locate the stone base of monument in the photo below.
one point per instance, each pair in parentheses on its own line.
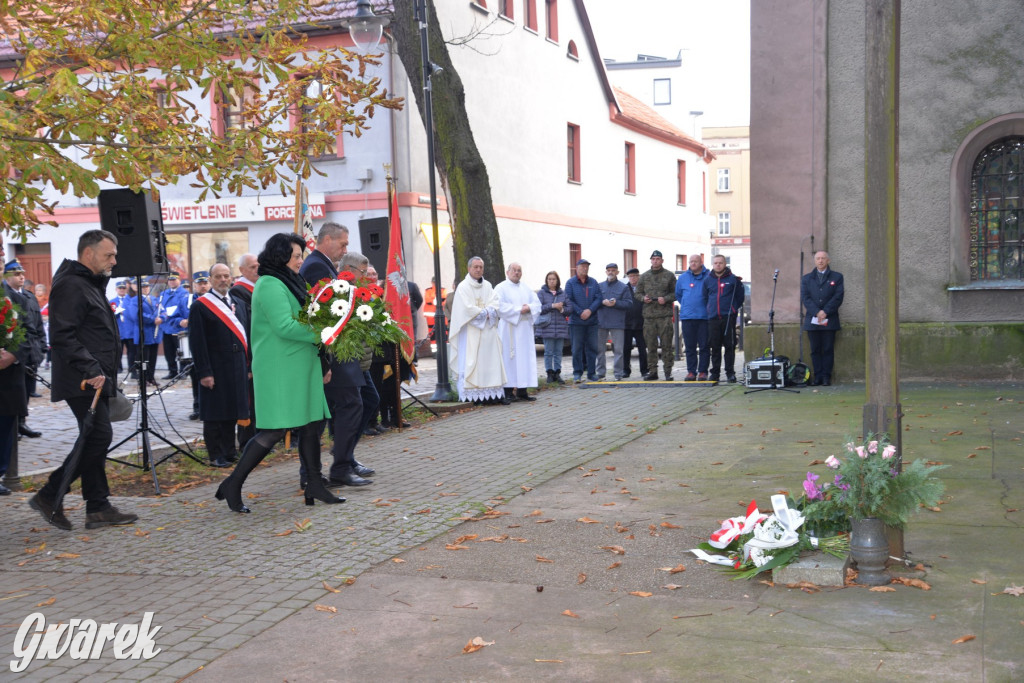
(818,568)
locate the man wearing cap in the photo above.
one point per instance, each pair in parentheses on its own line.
(118,304)
(634,333)
(693,317)
(518,310)
(583,292)
(616,301)
(657,289)
(200,286)
(33,350)
(150,332)
(173,312)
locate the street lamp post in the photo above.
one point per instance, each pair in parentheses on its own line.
(366,29)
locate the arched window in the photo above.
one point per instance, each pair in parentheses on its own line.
(997,193)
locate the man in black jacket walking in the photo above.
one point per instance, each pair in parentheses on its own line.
(85,344)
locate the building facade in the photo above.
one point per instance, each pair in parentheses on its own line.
(730,195)
(961,131)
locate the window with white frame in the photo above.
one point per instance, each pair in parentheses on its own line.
(724,223)
(662,91)
(723,180)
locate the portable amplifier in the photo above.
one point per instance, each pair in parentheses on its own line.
(758,372)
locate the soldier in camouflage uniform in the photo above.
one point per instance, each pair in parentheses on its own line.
(657,289)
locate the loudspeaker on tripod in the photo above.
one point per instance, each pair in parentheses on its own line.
(134,218)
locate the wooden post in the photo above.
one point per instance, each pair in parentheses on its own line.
(882,412)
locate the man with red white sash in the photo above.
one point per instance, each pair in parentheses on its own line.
(220,354)
(241,296)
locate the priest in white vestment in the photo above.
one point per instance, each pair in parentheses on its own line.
(518,310)
(474,349)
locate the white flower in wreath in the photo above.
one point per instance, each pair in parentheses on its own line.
(365,313)
(340,308)
(325,334)
(387,319)
(340,286)
(313,309)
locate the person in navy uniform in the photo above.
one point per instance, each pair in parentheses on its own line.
(118,304)
(173,311)
(201,285)
(150,331)
(821,291)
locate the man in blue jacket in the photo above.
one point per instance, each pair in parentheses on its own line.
(822,293)
(585,295)
(723,295)
(693,315)
(173,311)
(616,301)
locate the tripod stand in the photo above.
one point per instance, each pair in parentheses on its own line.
(771,337)
(144,430)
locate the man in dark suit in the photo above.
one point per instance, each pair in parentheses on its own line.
(33,349)
(347,379)
(634,327)
(821,291)
(219,353)
(241,295)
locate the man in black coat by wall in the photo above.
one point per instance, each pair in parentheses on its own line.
(85,344)
(31,353)
(822,293)
(220,356)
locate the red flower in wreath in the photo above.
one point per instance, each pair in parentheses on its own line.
(363,294)
(325,295)
(346,275)
(375,290)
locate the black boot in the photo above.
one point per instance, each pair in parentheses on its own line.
(558,377)
(524,395)
(231,488)
(551,376)
(309,454)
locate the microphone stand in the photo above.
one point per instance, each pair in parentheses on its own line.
(771,339)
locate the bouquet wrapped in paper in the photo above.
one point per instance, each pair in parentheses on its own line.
(348,315)
(12,332)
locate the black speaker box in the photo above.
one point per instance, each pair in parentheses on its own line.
(134,218)
(374,238)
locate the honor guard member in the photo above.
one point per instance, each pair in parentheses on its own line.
(32,351)
(173,312)
(657,289)
(118,304)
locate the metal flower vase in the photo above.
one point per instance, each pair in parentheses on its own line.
(869,548)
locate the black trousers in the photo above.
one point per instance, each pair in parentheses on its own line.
(823,344)
(722,336)
(347,417)
(171,353)
(219,436)
(634,337)
(370,395)
(151,351)
(91,466)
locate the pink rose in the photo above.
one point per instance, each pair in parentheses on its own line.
(849,447)
(889,451)
(832,462)
(872,447)
(859,450)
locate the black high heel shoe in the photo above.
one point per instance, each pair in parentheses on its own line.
(314,493)
(234,498)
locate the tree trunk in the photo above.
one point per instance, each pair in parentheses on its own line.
(459,164)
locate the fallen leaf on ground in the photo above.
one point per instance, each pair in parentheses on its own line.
(963,639)
(641,594)
(588,520)
(955,432)
(915,583)
(570,613)
(67,556)
(670,525)
(477,643)
(535,513)
(816,461)
(617,549)
(544,559)
(610,468)
(980,582)
(613,565)
(543,521)
(397,560)
(33,551)
(1015,591)
(882,589)
(467,537)
(581,578)
(326,608)
(284,533)
(494,539)
(455,546)
(526,488)
(46,603)
(331,588)
(672,586)
(673,570)
(804,586)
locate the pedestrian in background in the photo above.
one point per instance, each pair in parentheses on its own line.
(693,318)
(616,301)
(634,328)
(583,292)
(723,297)
(657,289)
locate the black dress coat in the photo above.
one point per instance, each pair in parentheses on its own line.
(33,350)
(84,338)
(824,295)
(218,352)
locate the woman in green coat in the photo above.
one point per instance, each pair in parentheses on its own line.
(286,372)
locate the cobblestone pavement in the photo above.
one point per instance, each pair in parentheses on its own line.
(214,579)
